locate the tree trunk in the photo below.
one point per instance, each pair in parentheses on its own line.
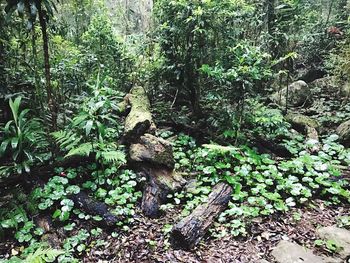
(343,10)
(187,233)
(35,62)
(2,58)
(50,98)
(271,24)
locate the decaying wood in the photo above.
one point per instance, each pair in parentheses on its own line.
(83,201)
(152,150)
(139,120)
(93,207)
(312,134)
(268,146)
(53,240)
(50,236)
(161,182)
(149,154)
(188,232)
(44,222)
(220,148)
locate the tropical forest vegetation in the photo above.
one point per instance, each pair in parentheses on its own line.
(174,131)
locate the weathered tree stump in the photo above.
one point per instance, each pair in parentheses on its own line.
(188,232)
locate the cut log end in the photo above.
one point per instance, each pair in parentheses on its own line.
(182,240)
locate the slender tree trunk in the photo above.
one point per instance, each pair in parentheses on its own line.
(35,62)
(50,96)
(190,76)
(2,58)
(271,25)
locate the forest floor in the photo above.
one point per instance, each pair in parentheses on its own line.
(147,241)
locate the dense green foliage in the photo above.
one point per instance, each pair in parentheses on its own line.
(210,68)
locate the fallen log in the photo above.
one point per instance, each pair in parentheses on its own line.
(161,182)
(275,148)
(83,201)
(187,233)
(46,171)
(139,120)
(150,155)
(200,134)
(268,146)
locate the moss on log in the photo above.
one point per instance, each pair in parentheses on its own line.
(150,155)
(152,150)
(343,131)
(139,120)
(299,121)
(188,232)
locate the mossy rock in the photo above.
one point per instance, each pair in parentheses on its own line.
(298,94)
(343,131)
(323,83)
(300,122)
(345,89)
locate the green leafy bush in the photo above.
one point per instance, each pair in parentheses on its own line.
(95,129)
(260,119)
(338,62)
(105,50)
(23,139)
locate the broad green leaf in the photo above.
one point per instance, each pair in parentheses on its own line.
(88,127)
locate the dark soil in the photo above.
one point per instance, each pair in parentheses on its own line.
(146,242)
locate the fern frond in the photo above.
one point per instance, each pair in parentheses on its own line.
(43,254)
(82,150)
(114,157)
(66,139)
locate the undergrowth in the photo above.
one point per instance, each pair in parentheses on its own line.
(262,186)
